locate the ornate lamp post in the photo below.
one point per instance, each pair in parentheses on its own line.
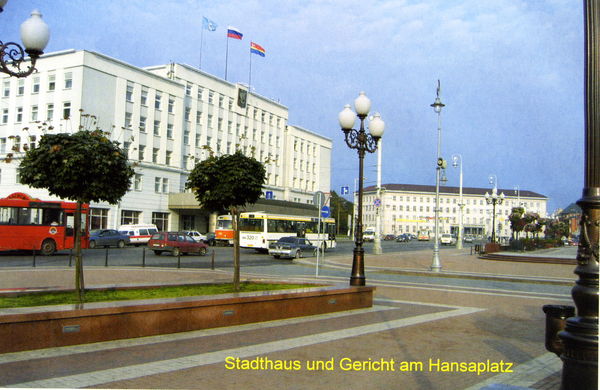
(494,199)
(580,337)
(35,35)
(362,142)
(436,265)
(456,158)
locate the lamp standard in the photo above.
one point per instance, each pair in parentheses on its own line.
(35,35)
(494,199)
(436,265)
(377,241)
(456,158)
(362,142)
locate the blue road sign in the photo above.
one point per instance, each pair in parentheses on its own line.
(345,190)
(325,211)
(269,195)
(377,202)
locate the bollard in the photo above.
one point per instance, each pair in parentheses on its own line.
(34,256)
(212,267)
(70,256)
(106,259)
(143,257)
(556,317)
(179,260)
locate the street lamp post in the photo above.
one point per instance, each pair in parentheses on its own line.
(436,265)
(377,241)
(362,142)
(494,199)
(456,158)
(35,35)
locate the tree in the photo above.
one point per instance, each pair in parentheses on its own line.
(516,220)
(340,209)
(85,166)
(228,182)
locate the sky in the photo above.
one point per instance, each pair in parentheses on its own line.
(511,75)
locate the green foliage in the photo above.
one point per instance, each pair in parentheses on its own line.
(340,209)
(230,180)
(85,166)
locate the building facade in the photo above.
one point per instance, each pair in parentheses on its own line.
(167,118)
(410,208)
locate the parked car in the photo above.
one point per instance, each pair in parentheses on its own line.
(107,237)
(468,238)
(389,237)
(294,247)
(447,239)
(403,238)
(176,243)
(195,235)
(138,233)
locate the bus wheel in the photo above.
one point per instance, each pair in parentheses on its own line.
(48,247)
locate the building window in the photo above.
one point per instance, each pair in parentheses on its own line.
(168,157)
(161,185)
(51,83)
(21,89)
(156,127)
(155,155)
(221,101)
(19,118)
(186,137)
(129,93)
(157,101)
(161,220)
(187,113)
(68,80)
(143,124)
(36,85)
(67,110)
(137,182)
(198,117)
(128,117)
(171,104)
(6,89)
(98,218)
(211,97)
(4,116)
(170,131)
(199,93)
(141,151)
(144,98)
(50,112)
(34,113)
(130,217)
(2,145)
(188,89)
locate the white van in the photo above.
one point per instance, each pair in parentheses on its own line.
(139,234)
(369,234)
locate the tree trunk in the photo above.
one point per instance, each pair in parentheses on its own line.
(79,284)
(236,248)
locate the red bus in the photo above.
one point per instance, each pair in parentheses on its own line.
(46,226)
(224,230)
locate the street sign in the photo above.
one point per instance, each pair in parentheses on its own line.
(319,199)
(377,202)
(345,190)
(325,211)
(269,195)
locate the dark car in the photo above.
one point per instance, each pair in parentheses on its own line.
(294,247)
(176,243)
(211,239)
(389,237)
(107,237)
(403,238)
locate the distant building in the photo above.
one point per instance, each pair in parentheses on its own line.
(571,215)
(408,208)
(168,118)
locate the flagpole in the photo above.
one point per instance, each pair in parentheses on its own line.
(226,55)
(250,72)
(201,42)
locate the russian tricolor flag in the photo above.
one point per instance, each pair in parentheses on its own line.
(257,49)
(233,33)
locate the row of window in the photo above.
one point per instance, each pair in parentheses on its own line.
(99,218)
(368,208)
(454,200)
(36,86)
(35,113)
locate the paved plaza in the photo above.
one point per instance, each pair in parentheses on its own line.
(434,335)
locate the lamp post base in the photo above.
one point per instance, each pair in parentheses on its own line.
(357,278)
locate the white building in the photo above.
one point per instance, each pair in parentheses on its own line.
(166,117)
(408,208)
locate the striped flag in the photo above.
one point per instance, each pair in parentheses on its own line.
(257,49)
(234,33)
